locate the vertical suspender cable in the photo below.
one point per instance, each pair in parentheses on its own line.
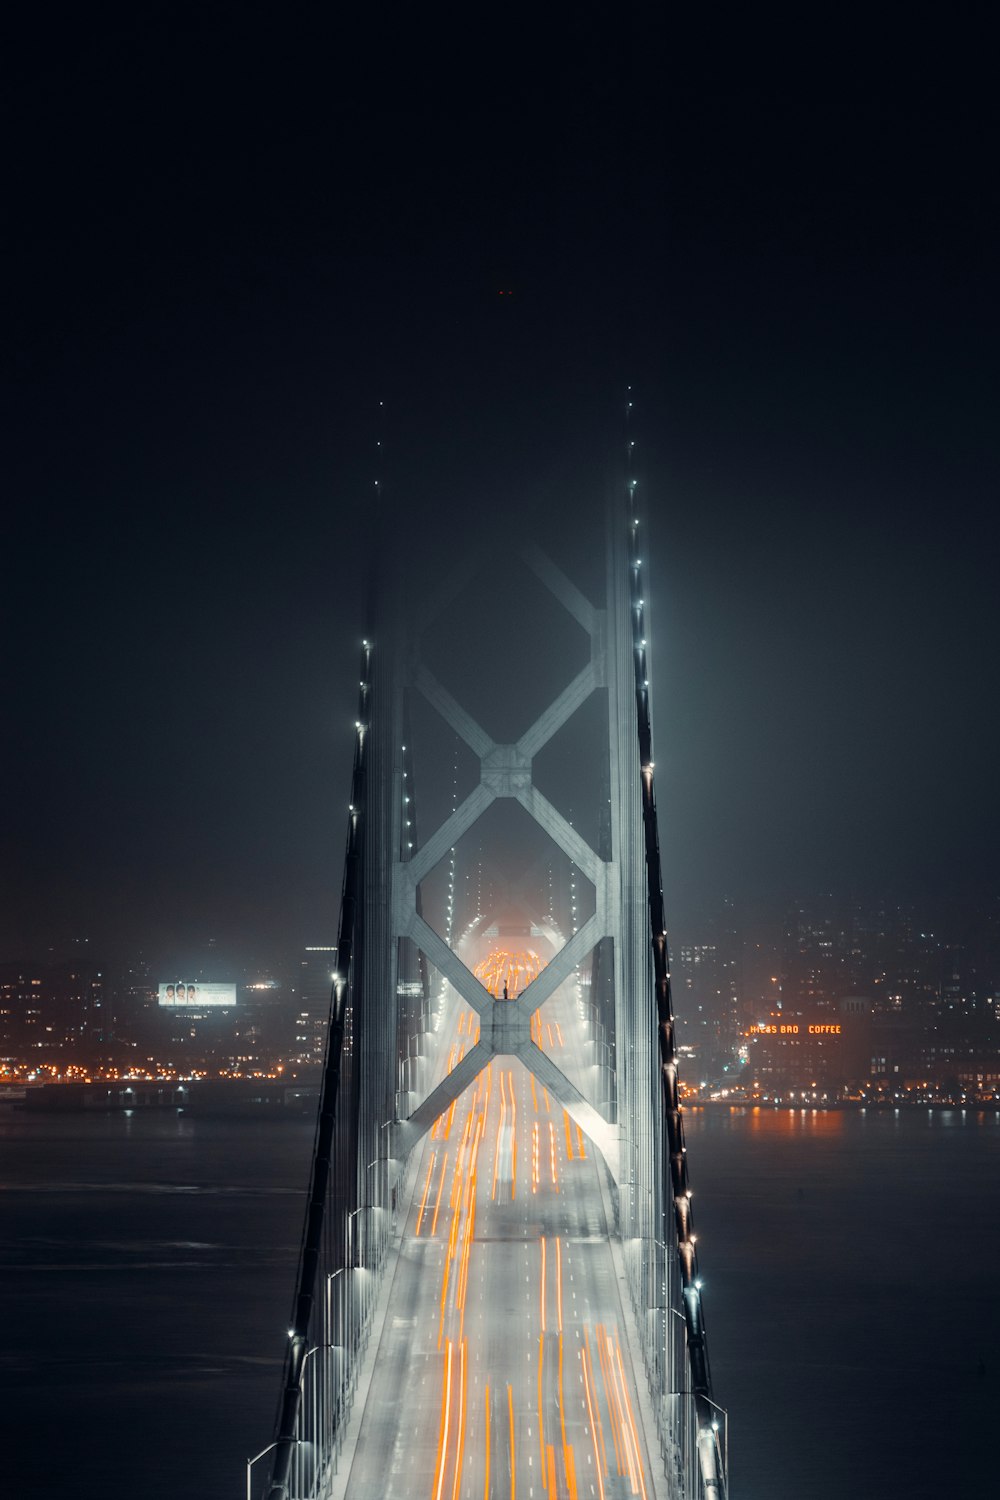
(309,1256)
(713,1477)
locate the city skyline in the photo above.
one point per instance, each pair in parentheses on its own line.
(893,1004)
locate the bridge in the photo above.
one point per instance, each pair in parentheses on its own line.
(498,1291)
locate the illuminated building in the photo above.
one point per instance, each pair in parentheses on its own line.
(312,1009)
(819,1049)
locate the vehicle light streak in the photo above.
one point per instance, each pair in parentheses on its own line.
(459,1428)
(427,1185)
(543,1282)
(631,1418)
(513,1137)
(501,970)
(562,1407)
(620,1396)
(446,1278)
(602,1356)
(435,1133)
(571,1473)
(596,1433)
(437,1203)
(470,1226)
(499,1138)
(443,1433)
(460,1447)
(456,1185)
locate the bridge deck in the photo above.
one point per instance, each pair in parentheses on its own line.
(503,1354)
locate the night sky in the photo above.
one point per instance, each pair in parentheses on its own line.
(231,230)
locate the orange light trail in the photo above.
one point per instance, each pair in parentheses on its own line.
(437,1204)
(543,1283)
(513,1137)
(515,970)
(448,1068)
(631,1419)
(602,1356)
(620,1408)
(443,1433)
(611,1396)
(456,1186)
(427,1184)
(596,1435)
(571,1473)
(568,1463)
(444,1286)
(461,1428)
(496,1152)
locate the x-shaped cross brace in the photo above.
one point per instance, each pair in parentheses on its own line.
(506,771)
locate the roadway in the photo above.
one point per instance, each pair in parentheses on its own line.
(502,1370)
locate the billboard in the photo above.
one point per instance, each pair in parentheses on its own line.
(196,995)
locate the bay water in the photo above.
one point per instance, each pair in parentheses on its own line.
(851,1285)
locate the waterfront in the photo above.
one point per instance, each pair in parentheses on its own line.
(850,1264)
(148,1265)
(850,1283)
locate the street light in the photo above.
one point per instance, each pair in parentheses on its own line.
(374,1207)
(725,1437)
(700,1395)
(250,1463)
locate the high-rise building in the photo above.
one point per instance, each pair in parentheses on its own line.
(312,991)
(708,985)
